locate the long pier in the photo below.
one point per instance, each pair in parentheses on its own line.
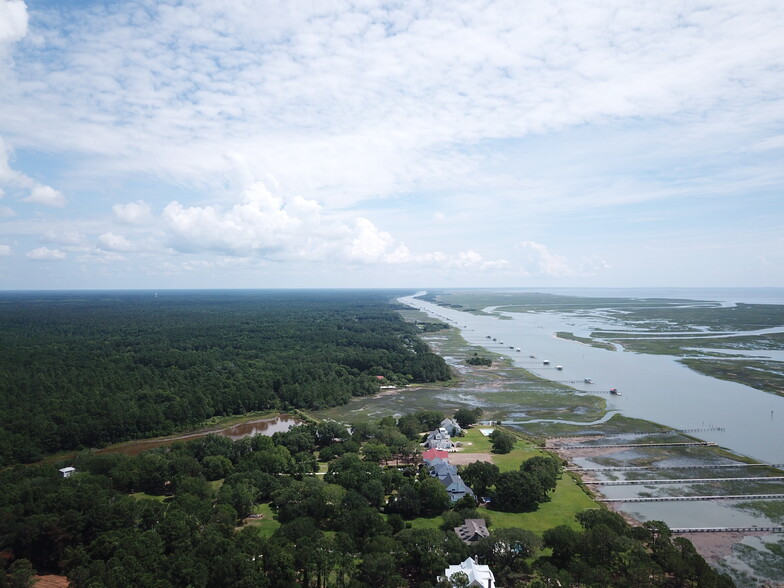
(675,467)
(683,481)
(635,445)
(694,498)
(603,435)
(727,529)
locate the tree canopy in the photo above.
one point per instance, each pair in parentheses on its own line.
(87,369)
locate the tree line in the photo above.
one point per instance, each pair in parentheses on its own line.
(89,369)
(178,516)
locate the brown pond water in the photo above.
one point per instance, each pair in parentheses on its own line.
(256,426)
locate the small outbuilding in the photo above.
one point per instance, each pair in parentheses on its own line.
(67,472)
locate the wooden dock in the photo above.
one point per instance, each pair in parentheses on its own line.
(694,498)
(727,529)
(684,481)
(635,445)
(683,467)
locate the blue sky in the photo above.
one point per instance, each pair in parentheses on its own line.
(252,144)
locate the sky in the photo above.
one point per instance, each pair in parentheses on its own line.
(327,144)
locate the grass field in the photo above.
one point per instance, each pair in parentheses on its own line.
(267,525)
(566,501)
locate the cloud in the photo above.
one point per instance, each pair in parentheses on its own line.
(46,195)
(66,238)
(538,261)
(112,242)
(39,193)
(45,254)
(268,226)
(13,21)
(5,211)
(133,213)
(348,102)
(5,250)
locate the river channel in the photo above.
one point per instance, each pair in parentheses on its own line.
(653,387)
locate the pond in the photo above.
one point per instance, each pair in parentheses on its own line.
(254,426)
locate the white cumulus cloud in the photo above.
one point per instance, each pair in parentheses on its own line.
(268,226)
(133,213)
(5,250)
(39,193)
(13,21)
(45,254)
(46,195)
(111,242)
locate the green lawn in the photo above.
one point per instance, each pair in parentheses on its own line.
(505,462)
(266,525)
(566,501)
(423,523)
(144,495)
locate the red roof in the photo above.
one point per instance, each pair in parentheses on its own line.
(434,453)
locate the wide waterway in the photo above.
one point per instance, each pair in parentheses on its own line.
(654,387)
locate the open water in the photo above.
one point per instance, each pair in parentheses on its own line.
(653,387)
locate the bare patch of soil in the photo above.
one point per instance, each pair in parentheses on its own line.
(460,458)
(51,581)
(715,546)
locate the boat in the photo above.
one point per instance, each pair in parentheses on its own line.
(546,362)
(615,392)
(559,368)
(588,381)
(518,349)
(532,356)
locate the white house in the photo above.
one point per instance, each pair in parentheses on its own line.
(438,439)
(480,576)
(451,427)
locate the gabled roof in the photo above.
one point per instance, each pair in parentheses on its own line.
(448,423)
(472,530)
(455,486)
(440,433)
(444,443)
(433,454)
(443,469)
(477,575)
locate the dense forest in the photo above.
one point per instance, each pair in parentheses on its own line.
(179,517)
(87,369)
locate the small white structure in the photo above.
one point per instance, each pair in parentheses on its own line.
(66,472)
(477,575)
